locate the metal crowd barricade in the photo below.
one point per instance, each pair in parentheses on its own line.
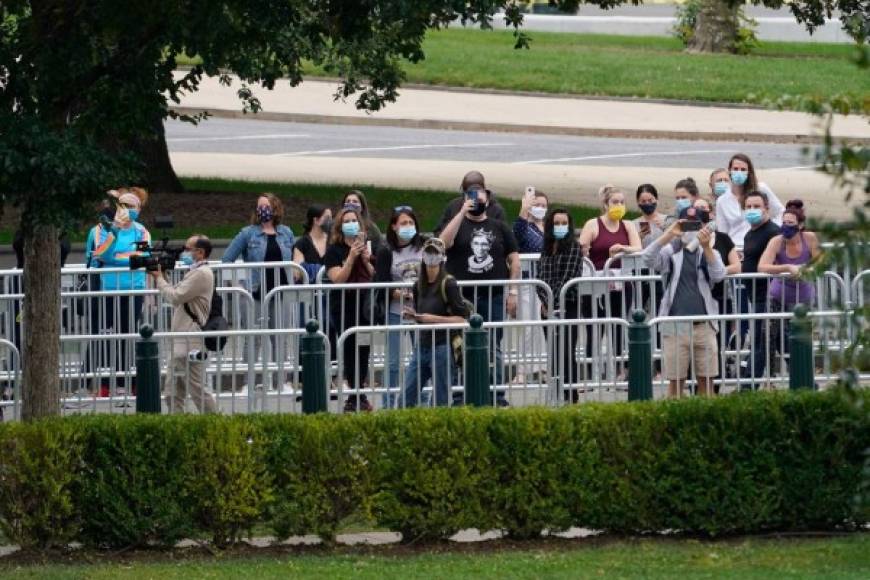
(680,333)
(428,380)
(10,381)
(237,384)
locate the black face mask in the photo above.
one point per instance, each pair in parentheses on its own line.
(648,208)
(479,209)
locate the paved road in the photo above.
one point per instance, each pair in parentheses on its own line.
(287,140)
(658,20)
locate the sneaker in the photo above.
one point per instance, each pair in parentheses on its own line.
(364,404)
(356,403)
(501,402)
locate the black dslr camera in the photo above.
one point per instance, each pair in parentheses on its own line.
(161,256)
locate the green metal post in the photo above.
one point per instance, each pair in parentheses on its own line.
(640,371)
(477,364)
(801,359)
(314,395)
(147,372)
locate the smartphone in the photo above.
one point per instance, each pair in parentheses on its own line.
(369,246)
(471,194)
(691,226)
(530,193)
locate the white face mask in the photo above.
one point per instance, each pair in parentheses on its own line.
(688,237)
(430,259)
(538,212)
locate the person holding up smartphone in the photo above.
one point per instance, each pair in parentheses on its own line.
(348,260)
(690,275)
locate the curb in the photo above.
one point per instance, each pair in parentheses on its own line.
(513,128)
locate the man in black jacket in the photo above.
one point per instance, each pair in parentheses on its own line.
(473,178)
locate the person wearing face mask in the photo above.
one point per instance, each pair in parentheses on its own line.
(191,296)
(349,260)
(603,238)
(266,239)
(436,299)
(651,223)
(690,271)
(356,200)
(529,232)
(480,248)
(789,253)
(761,230)
(720,183)
(562,260)
(397,261)
(310,248)
(730,205)
(110,245)
(494,209)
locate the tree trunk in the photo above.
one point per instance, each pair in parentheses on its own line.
(715,27)
(41,323)
(158,174)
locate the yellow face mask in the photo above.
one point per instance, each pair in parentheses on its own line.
(616,213)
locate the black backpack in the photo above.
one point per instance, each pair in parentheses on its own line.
(215,323)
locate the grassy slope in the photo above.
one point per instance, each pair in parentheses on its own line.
(427,204)
(631,66)
(785,559)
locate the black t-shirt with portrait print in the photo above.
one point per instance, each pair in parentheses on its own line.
(480,250)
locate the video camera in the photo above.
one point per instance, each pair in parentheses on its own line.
(161,256)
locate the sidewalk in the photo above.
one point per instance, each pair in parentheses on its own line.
(313,101)
(563,183)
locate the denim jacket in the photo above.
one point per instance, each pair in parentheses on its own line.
(250,245)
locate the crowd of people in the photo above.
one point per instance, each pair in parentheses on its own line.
(739,225)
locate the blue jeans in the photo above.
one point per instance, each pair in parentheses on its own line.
(394,360)
(431,362)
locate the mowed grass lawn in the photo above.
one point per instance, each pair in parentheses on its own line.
(650,67)
(631,66)
(836,558)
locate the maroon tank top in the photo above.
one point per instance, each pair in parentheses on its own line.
(599,251)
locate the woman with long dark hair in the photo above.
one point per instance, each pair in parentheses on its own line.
(562,260)
(356,200)
(397,261)
(729,206)
(310,248)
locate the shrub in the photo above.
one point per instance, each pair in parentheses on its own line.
(228,485)
(319,467)
(39,465)
(432,472)
(133,486)
(738,464)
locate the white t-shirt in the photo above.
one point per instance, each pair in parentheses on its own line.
(729,214)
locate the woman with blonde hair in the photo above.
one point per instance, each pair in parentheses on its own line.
(603,238)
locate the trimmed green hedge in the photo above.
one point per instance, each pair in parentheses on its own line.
(737,464)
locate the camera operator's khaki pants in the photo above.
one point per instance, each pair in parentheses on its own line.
(186,377)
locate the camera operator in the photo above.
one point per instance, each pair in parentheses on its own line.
(188,354)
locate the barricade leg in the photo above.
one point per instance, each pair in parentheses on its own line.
(639,358)
(147,372)
(314,393)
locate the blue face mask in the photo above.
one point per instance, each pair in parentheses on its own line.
(559,232)
(683,204)
(720,188)
(350,229)
(186,258)
(134,214)
(407,233)
(739,177)
(753,216)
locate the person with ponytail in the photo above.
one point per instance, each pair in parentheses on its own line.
(730,205)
